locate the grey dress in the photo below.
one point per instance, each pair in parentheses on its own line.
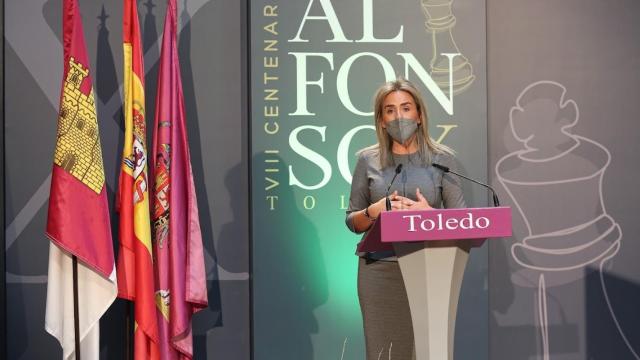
(370,182)
(383,300)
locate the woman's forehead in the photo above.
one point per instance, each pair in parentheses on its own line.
(398,97)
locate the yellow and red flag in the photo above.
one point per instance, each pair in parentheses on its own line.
(135,259)
(78,219)
(181,283)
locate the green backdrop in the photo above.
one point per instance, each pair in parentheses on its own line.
(314,68)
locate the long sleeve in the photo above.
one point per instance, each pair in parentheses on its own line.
(360,195)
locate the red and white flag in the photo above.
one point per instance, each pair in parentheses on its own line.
(78,220)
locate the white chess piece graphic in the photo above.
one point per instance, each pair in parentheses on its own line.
(440,22)
(557,171)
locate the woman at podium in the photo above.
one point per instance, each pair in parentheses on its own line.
(401,124)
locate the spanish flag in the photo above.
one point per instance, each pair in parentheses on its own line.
(78,219)
(135,259)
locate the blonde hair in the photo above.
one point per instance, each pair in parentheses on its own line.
(426,145)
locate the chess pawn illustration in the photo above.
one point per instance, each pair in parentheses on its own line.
(556,185)
(440,22)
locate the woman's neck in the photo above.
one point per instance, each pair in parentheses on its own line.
(403,149)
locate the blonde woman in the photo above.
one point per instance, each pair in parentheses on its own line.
(403,138)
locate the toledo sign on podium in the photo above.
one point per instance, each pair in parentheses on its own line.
(475,224)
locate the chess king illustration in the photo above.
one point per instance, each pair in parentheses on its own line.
(555,183)
(440,23)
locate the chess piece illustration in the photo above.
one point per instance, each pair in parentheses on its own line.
(555,183)
(440,23)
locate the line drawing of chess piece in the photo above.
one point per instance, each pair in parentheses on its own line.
(440,22)
(556,167)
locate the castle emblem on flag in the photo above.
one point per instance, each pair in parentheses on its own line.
(78,149)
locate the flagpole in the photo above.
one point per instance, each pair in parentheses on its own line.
(76,315)
(128,343)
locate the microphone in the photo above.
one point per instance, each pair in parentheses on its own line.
(446,169)
(388,202)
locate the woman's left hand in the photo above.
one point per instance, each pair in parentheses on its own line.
(421,204)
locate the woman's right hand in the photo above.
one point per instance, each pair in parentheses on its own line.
(381,205)
(362,222)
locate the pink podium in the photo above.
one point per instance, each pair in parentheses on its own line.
(433,248)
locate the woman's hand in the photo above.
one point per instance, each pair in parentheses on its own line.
(399,203)
(408,204)
(381,205)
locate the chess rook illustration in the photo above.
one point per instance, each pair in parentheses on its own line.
(440,23)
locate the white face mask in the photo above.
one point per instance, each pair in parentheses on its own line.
(401,129)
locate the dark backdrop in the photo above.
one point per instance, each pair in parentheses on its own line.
(589,50)
(212,49)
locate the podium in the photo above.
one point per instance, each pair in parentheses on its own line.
(433,247)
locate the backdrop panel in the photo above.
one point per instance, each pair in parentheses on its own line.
(314,68)
(564,132)
(217,128)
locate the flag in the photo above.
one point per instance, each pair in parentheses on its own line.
(78,219)
(179,267)
(135,258)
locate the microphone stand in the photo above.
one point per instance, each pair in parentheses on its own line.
(388,201)
(446,169)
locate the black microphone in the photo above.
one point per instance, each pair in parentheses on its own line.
(446,169)
(398,170)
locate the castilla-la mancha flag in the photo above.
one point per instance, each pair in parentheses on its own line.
(135,258)
(78,221)
(180,277)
